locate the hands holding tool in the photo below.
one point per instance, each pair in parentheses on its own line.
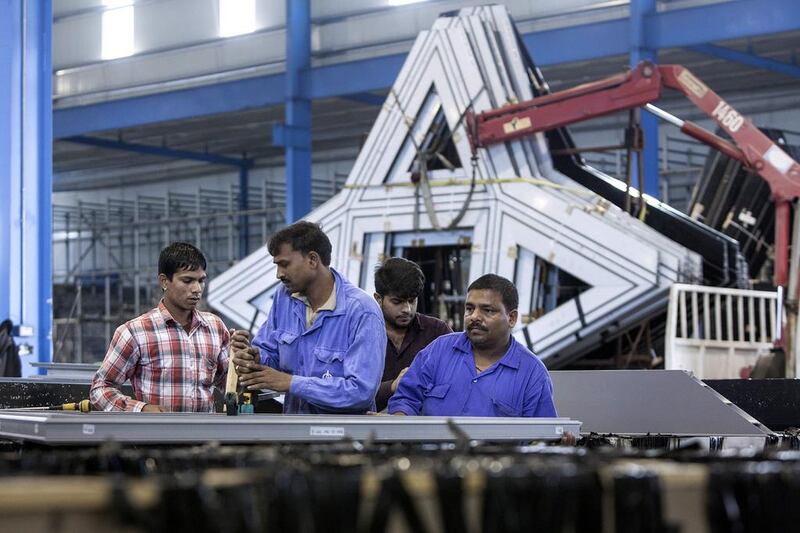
(252,374)
(242,353)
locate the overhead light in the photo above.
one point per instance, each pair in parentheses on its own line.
(117,30)
(113,4)
(404,2)
(236,17)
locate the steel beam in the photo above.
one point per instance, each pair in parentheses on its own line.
(721,21)
(161,151)
(681,27)
(640,50)
(365,98)
(244,228)
(581,42)
(26,171)
(298,109)
(751,60)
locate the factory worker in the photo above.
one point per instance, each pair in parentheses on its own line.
(324,340)
(173,355)
(482,371)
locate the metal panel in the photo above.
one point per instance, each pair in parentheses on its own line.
(775,402)
(656,402)
(41,391)
(76,428)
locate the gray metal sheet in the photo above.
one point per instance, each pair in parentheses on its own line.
(640,402)
(69,370)
(85,428)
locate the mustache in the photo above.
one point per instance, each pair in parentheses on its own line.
(474,325)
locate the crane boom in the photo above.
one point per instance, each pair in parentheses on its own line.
(637,88)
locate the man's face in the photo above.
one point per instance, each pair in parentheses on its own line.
(294,269)
(486,320)
(185,288)
(397,312)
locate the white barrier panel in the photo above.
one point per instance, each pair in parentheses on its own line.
(718,332)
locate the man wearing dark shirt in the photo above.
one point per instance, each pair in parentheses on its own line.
(398,283)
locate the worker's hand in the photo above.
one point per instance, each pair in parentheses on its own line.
(263,377)
(397,379)
(151,408)
(240,339)
(245,361)
(240,346)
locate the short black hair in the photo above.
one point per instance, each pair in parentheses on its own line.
(180,256)
(499,284)
(303,237)
(399,277)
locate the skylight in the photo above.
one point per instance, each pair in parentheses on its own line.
(403,2)
(117,29)
(236,17)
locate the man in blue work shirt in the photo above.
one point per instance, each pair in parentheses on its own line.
(323,343)
(482,371)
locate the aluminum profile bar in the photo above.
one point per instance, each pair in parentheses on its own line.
(168,428)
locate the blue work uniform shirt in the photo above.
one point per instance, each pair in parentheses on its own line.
(443,381)
(337,363)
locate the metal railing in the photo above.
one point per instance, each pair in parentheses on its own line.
(106,253)
(720,332)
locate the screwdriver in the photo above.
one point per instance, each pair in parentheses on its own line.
(84,406)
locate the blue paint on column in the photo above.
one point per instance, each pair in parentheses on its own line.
(298,109)
(26,171)
(639,51)
(244,229)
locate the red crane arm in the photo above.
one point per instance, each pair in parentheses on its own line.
(639,87)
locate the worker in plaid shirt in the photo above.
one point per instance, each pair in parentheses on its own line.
(173,355)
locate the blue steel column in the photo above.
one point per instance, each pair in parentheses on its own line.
(9,150)
(244,192)
(298,109)
(639,9)
(26,171)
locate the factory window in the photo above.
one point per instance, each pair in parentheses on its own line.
(117,29)
(542,286)
(236,17)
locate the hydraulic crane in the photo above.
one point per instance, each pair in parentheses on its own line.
(639,88)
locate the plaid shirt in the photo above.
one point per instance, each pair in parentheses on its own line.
(165,365)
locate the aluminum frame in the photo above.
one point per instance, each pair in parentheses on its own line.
(164,428)
(473,59)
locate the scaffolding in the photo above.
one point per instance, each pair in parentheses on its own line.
(106,254)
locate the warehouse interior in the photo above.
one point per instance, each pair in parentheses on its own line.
(649,230)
